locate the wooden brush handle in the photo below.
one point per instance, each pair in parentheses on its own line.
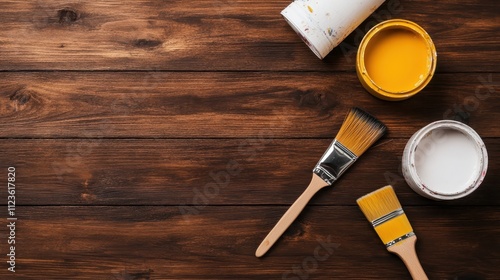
(287,219)
(406,251)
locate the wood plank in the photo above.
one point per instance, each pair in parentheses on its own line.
(159,243)
(220,35)
(196,173)
(228,105)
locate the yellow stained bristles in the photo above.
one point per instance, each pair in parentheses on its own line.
(359,131)
(379,203)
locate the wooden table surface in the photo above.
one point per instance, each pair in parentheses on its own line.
(164,139)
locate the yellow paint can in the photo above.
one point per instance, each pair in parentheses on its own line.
(396,60)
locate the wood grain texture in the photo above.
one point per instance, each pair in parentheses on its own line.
(164,139)
(207,172)
(229,105)
(220,35)
(159,243)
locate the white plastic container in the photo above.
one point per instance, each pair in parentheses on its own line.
(445,160)
(324,24)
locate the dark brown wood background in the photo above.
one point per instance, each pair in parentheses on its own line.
(123,118)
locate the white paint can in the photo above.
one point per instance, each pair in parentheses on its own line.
(445,160)
(324,24)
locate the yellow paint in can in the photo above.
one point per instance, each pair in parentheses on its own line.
(396,60)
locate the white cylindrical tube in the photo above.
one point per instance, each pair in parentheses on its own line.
(324,24)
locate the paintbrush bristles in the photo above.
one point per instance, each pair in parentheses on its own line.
(379,203)
(383,210)
(359,131)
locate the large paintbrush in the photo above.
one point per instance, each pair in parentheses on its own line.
(358,132)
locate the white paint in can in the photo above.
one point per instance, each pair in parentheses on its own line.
(445,160)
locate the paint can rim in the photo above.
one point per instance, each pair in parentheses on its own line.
(370,85)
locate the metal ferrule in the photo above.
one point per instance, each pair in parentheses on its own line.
(399,239)
(334,162)
(387,217)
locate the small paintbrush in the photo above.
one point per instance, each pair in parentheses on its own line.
(358,132)
(383,210)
